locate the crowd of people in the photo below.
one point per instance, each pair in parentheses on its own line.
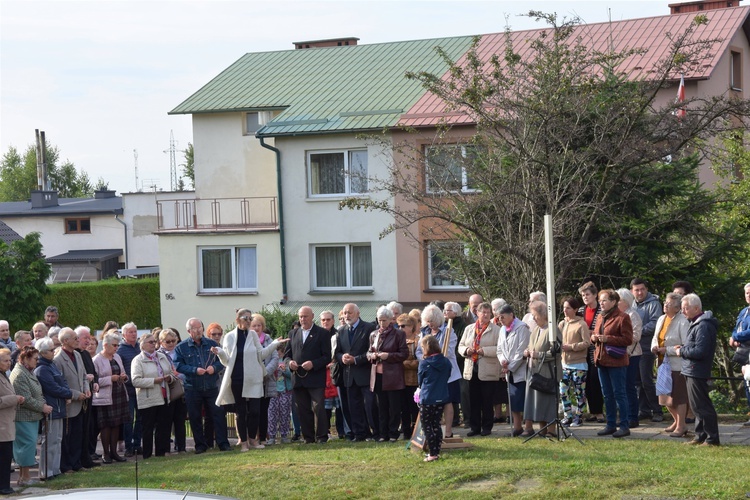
(63,390)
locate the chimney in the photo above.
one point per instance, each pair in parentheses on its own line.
(701,5)
(103,193)
(43,199)
(330,42)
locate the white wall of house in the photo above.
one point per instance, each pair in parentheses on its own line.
(180,282)
(106,233)
(310,221)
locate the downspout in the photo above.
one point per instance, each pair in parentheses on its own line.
(284,296)
(125,230)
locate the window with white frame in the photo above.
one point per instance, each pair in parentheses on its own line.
(228,269)
(441,274)
(336,173)
(343,267)
(445,168)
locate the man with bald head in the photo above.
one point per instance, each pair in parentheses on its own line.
(470,317)
(307,354)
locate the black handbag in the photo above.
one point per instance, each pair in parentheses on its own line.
(742,354)
(540,383)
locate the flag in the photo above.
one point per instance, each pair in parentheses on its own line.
(680,97)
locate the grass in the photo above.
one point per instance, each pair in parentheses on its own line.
(492,469)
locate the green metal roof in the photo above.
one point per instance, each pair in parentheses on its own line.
(330,89)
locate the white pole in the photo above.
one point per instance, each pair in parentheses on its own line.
(550,265)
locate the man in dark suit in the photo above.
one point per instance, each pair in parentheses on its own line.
(308,354)
(351,351)
(70,363)
(90,430)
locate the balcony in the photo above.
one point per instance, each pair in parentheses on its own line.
(217,215)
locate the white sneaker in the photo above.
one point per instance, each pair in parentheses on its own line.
(270,442)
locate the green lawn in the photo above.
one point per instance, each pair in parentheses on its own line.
(492,469)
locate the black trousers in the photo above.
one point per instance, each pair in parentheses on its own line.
(156,424)
(248,414)
(362,418)
(72,443)
(409,411)
(706,420)
(87,419)
(389,409)
(6,453)
(481,394)
(177,415)
(311,409)
(263,419)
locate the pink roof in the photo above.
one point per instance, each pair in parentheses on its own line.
(645,33)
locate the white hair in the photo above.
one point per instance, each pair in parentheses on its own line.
(747,286)
(111,338)
(497,304)
(384,312)
(433,314)
(627,296)
(4,323)
(45,344)
(81,328)
(66,333)
(54,331)
(128,326)
(538,295)
(693,300)
(395,307)
(453,306)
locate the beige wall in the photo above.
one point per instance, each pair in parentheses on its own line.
(179,283)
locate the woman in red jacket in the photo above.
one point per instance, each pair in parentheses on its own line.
(611,336)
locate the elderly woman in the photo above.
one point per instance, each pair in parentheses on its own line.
(409,408)
(671,330)
(56,392)
(626,305)
(513,340)
(112,399)
(612,337)
(481,369)
(243,384)
(540,353)
(9,400)
(575,346)
(177,411)
(434,321)
(387,354)
(590,312)
(31,411)
(152,374)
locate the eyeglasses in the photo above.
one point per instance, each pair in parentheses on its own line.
(115,345)
(170,341)
(402,326)
(245,318)
(150,342)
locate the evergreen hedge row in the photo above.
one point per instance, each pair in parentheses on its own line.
(93,304)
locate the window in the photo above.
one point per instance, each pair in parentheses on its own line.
(255,120)
(442,274)
(77,226)
(735,77)
(445,168)
(335,173)
(228,269)
(342,267)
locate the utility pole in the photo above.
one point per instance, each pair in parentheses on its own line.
(135,160)
(172,162)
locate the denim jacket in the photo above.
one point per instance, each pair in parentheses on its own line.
(191,356)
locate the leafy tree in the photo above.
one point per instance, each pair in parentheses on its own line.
(101,185)
(188,168)
(23,276)
(19,175)
(561,131)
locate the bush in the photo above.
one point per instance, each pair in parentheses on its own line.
(278,322)
(93,304)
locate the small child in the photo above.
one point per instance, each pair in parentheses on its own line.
(434,372)
(280,406)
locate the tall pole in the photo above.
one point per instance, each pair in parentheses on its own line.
(39,172)
(550,265)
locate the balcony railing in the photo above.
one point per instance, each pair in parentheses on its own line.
(216,214)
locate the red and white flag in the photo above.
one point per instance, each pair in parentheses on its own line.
(680,97)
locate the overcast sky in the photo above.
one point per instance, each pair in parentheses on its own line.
(100,76)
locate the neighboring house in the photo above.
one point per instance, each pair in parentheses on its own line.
(89,239)
(278,145)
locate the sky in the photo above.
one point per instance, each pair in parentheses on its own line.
(100,76)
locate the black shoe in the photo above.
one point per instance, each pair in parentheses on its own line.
(515,433)
(634,423)
(606,431)
(107,460)
(498,420)
(139,450)
(486,433)
(7,491)
(198,451)
(322,440)
(225,447)
(92,465)
(295,437)
(472,433)
(621,433)
(359,439)
(644,416)
(118,458)
(692,421)
(129,453)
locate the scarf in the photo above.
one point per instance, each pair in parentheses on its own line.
(478,331)
(155,358)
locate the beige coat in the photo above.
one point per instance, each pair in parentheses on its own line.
(8,405)
(148,394)
(75,376)
(575,333)
(489,365)
(676,335)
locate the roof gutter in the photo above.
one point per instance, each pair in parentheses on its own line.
(125,231)
(282,245)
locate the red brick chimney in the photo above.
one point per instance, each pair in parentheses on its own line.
(701,5)
(331,42)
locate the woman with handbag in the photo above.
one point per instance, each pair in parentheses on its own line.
(612,336)
(112,399)
(540,404)
(671,330)
(177,410)
(243,384)
(152,373)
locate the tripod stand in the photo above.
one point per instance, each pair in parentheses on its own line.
(562,431)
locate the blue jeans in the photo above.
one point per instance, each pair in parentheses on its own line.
(615,398)
(631,387)
(196,401)
(132,430)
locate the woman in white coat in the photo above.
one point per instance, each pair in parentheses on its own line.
(151,373)
(242,353)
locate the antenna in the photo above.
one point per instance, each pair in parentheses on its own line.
(172,162)
(135,160)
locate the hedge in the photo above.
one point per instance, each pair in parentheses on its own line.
(94,303)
